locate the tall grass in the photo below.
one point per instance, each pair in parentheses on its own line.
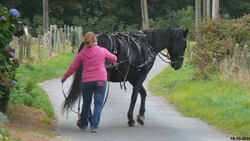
(222,103)
(30,74)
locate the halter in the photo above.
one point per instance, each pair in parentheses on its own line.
(168,57)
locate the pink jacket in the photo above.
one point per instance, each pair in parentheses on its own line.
(93,62)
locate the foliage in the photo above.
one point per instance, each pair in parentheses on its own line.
(235,8)
(30,74)
(97,24)
(5,136)
(220,102)
(183,18)
(8,64)
(117,15)
(215,40)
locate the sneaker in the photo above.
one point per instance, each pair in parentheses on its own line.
(79,124)
(94,130)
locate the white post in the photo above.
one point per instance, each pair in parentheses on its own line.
(144,10)
(215,9)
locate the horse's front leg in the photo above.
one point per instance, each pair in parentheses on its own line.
(140,117)
(131,121)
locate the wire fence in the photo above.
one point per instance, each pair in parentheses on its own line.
(238,64)
(46,45)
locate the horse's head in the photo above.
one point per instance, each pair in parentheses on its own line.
(178,44)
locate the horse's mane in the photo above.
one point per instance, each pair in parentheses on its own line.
(160,37)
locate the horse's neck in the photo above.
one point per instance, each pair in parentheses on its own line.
(158,39)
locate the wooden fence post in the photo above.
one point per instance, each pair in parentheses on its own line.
(44,45)
(58,40)
(50,43)
(21,49)
(15,42)
(68,33)
(54,38)
(236,54)
(64,37)
(28,48)
(245,63)
(80,36)
(245,58)
(39,47)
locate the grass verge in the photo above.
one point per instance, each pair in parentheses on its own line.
(222,103)
(30,74)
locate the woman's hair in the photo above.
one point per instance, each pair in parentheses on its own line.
(90,38)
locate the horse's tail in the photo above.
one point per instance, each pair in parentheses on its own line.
(74,92)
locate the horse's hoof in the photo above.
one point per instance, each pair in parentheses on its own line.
(131,123)
(140,119)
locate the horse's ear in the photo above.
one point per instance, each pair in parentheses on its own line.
(185,33)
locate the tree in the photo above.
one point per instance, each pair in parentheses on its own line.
(120,14)
(45,16)
(208,9)
(144,11)
(215,9)
(234,8)
(197,14)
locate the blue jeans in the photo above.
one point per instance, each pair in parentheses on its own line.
(98,89)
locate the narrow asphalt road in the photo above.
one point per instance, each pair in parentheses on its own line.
(162,121)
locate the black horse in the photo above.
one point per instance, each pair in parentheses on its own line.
(136,53)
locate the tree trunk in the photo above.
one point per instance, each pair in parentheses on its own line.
(204,12)
(45,16)
(215,9)
(144,10)
(197,14)
(208,9)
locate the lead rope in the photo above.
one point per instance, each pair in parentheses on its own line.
(78,112)
(107,92)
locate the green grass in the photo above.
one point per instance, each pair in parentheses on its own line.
(30,74)
(224,104)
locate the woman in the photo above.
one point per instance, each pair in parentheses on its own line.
(94,78)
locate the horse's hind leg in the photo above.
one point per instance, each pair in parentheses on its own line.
(140,117)
(137,87)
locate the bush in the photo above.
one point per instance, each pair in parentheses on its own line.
(215,40)
(93,24)
(8,64)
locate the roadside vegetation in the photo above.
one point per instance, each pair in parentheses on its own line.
(31,74)
(30,109)
(213,85)
(204,88)
(223,103)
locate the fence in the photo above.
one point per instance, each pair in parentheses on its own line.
(48,44)
(238,64)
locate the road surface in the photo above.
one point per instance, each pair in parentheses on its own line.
(162,121)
